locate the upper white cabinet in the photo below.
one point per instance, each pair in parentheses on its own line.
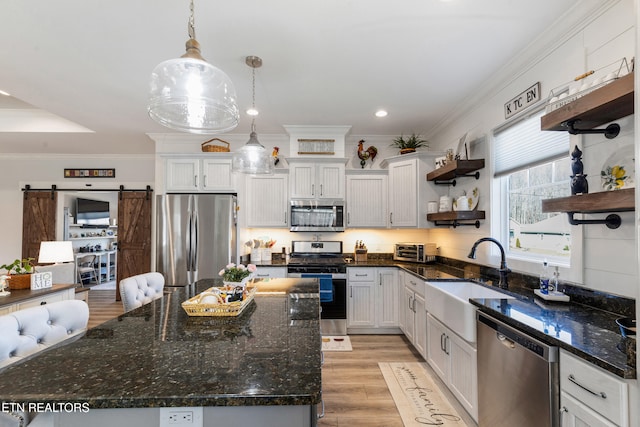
(267,201)
(367,200)
(199,174)
(316,180)
(409,191)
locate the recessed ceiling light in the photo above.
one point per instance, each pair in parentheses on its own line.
(381,113)
(4,93)
(252,112)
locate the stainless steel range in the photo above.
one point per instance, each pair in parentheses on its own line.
(324,261)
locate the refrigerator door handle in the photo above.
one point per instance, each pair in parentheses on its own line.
(194,243)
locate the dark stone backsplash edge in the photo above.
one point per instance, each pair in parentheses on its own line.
(624,306)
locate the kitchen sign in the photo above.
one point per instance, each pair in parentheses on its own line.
(523,100)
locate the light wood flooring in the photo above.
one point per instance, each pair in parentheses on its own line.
(103,306)
(354,391)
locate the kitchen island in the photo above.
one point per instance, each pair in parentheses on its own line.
(262,365)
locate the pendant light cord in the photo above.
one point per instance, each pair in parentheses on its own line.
(192,25)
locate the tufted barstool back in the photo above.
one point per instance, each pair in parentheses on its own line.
(28,331)
(135,291)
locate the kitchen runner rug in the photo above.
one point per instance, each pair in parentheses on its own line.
(336,343)
(417,397)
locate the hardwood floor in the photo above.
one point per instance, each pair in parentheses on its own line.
(103,306)
(354,391)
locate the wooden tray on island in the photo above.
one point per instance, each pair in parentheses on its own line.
(193,307)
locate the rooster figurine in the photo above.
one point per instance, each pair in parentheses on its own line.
(274,154)
(369,153)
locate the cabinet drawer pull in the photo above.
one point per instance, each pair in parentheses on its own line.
(361,275)
(601,394)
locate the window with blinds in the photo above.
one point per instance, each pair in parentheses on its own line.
(522,145)
(533,165)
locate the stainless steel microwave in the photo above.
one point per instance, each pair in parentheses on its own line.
(317,215)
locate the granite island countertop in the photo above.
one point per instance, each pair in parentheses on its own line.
(157,356)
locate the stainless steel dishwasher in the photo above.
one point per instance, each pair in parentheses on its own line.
(517,378)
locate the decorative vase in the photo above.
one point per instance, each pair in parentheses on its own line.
(241,284)
(407,150)
(19,281)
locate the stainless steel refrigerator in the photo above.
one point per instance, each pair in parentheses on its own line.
(196,236)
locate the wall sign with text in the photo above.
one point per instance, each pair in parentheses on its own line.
(89,173)
(523,100)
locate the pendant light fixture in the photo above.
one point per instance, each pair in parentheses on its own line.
(252,158)
(190,95)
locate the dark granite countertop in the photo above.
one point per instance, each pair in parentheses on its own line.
(586,331)
(589,333)
(157,356)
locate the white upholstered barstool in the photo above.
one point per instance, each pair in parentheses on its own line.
(135,291)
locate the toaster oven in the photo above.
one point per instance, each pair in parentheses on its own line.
(412,252)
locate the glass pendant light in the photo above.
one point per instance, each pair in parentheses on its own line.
(189,94)
(253,158)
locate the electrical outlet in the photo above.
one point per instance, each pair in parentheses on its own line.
(181,417)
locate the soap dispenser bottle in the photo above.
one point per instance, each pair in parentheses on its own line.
(544,278)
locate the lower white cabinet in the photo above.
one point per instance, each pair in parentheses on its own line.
(590,396)
(372,299)
(574,413)
(455,362)
(271,272)
(414,311)
(35,301)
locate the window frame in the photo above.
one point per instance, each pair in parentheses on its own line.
(572,269)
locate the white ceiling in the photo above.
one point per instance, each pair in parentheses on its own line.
(325,62)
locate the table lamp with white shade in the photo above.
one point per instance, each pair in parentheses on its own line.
(55,252)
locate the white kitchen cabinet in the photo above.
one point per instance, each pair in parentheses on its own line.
(455,362)
(199,174)
(415,314)
(267,201)
(49,297)
(409,191)
(387,304)
(313,180)
(271,272)
(590,396)
(367,200)
(373,300)
(574,413)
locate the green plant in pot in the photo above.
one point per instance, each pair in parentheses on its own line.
(19,272)
(409,144)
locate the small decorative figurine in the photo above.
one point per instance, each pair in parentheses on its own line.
(3,285)
(368,154)
(274,154)
(579,184)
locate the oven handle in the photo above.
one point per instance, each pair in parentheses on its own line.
(314,275)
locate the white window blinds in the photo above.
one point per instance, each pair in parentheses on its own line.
(523,145)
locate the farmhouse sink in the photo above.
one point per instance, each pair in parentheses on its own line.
(449,303)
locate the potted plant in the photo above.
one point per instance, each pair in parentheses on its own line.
(237,275)
(19,272)
(410,143)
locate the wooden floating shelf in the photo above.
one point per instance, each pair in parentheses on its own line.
(604,201)
(457,218)
(455,169)
(606,104)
